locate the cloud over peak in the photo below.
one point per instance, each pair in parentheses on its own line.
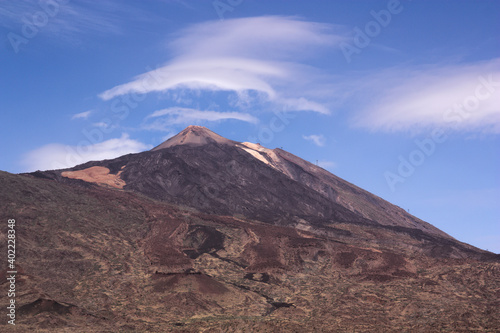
(242,55)
(161,120)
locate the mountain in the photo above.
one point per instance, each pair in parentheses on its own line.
(199,168)
(203,233)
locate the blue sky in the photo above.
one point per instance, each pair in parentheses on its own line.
(401,98)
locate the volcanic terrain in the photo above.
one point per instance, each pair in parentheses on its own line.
(206,234)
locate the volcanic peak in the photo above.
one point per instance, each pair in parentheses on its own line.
(194,136)
(198,136)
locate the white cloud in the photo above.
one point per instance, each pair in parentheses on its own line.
(318,140)
(458,97)
(105,125)
(255,37)
(176,115)
(241,55)
(59,156)
(227,74)
(302,104)
(82,115)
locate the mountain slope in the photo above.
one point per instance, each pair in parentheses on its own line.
(340,191)
(98,258)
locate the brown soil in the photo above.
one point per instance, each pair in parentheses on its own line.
(97,174)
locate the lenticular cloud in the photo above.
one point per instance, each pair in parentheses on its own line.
(259,54)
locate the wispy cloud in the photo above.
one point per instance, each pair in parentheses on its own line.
(260,54)
(164,119)
(101,124)
(462,97)
(317,139)
(69,20)
(275,37)
(82,115)
(59,156)
(106,125)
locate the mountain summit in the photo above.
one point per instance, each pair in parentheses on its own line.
(203,233)
(193,135)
